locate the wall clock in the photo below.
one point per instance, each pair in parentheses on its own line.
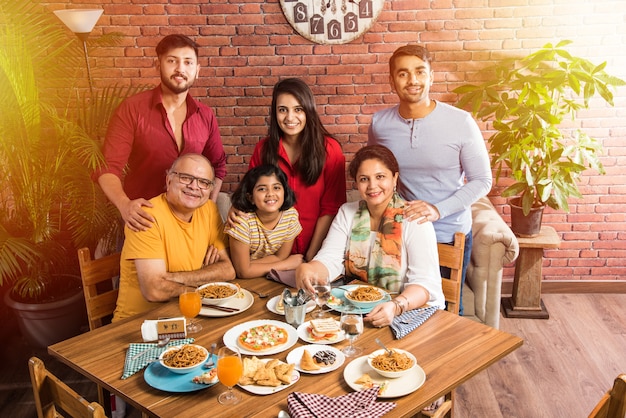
(331,21)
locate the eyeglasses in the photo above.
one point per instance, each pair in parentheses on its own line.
(187,179)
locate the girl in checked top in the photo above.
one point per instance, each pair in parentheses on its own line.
(264,239)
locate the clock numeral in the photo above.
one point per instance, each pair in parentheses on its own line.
(351,22)
(365,9)
(317,25)
(334,29)
(300,13)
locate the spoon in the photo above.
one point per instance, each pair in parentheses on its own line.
(161,343)
(211,363)
(283,414)
(380,343)
(287,297)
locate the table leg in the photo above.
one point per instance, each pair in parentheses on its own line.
(526,300)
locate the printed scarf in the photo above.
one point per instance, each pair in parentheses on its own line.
(380,263)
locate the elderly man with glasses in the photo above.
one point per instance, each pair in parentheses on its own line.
(186,245)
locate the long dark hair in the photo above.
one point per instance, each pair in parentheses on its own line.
(241,197)
(313,154)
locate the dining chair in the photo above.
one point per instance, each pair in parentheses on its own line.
(451,257)
(613,403)
(100,294)
(51,393)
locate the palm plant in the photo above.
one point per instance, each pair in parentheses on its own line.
(49,206)
(528,100)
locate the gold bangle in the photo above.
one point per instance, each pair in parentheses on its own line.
(400,304)
(397,304)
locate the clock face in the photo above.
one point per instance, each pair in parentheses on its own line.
(331,21)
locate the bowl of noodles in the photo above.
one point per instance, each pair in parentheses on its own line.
(364,296)
(182,359)
(399,363)
(218,292)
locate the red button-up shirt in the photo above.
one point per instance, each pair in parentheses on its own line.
(140,136)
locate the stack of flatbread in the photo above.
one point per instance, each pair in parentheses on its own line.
(273,373)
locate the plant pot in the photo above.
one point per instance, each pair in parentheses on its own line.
(43,324)
(525,226)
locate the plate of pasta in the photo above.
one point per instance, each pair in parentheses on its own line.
(339,300)
(241,302)
(359,375)
(161,378)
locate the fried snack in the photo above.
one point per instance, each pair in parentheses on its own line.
(364,380)
(307,363)
(284,372)
(273,373)
(394,362)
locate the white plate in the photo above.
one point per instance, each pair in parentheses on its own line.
(241,303)
(232,335)
(395,387)
(271,305)
(304,335)
(295,355)
(268,390)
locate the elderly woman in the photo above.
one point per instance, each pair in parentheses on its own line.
(370,240)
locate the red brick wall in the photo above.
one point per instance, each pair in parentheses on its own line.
(248,45)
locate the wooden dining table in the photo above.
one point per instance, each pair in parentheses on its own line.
(449,348)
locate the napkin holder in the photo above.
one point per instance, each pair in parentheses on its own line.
(172,328)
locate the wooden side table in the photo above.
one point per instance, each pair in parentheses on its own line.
(526,300)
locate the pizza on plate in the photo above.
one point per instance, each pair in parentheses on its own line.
(263,338)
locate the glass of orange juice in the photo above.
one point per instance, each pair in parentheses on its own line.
(190,303)
(229,371)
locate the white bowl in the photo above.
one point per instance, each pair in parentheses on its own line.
(363,304)
(389,374)
(188,369)
(219,301)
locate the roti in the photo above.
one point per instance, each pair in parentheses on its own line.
(263,337)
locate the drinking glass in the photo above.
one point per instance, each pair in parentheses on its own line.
(229,371)
(352,325)
(321,285)
(190,303)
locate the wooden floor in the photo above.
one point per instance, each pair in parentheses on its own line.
(565,365)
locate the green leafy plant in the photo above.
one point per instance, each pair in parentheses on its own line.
(49,206)
(528,99)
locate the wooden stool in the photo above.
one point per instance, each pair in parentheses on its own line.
(526,300)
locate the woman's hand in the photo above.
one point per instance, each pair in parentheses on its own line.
(382,315)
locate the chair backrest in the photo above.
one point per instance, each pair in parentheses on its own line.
(451,256)
(51,393)
(613,403)
(97,276)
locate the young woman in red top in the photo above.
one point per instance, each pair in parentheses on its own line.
(313,161)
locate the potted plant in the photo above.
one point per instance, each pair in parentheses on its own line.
(528,100)
(49,206)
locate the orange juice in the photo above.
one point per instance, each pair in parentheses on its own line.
(229,370)
(190,304)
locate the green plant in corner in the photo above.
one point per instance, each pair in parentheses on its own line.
(48,203)
(528,99)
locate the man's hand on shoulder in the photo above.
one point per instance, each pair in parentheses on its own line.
(420,211)
(135,217)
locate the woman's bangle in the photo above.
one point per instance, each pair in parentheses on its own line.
(398,306)
(401,304)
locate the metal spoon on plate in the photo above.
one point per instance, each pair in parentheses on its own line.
(161,343)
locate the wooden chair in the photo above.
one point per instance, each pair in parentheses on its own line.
(613,403)
(51,393)
(100,294)
(450,256)
(97,276)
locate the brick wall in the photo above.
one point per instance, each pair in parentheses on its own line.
(248,45)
